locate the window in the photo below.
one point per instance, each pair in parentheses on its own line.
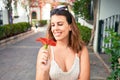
(34,15)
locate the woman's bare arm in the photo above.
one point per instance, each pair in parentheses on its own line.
(84,65)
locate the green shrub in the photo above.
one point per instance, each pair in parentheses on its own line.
(16,28)
(7,30)
(114,52)
(85,33)
(2,33)
(42,22)
(34,21)
(13,29)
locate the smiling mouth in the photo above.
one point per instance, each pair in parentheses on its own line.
(57,33)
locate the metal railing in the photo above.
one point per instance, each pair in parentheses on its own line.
(112,22)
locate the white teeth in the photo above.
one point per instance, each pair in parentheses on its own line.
(57,33)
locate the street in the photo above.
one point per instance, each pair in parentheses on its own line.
(18,60)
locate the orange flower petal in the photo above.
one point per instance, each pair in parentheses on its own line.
(46,41)
(42,40)
(52,43)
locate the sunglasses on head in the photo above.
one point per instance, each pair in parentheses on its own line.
(58,9)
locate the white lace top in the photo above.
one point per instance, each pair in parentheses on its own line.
(56,72)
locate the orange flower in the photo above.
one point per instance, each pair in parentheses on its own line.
(46,42)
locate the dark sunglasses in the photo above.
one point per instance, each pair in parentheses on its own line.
(58,9)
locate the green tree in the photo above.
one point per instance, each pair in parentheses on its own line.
(81,8)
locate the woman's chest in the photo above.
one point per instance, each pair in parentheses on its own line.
(64,60)
(65,70)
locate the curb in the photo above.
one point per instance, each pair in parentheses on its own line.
(16,38)
(103,62)
(97,78)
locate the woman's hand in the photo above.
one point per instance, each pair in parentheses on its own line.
(43,65)
(44,60)
(43,55)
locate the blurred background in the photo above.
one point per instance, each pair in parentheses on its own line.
(98,21)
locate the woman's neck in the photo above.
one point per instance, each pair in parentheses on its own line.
(62,44)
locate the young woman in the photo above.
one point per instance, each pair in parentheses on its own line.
(69,59)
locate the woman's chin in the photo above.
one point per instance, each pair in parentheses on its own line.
(57,38)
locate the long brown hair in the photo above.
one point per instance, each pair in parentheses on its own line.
(75,42)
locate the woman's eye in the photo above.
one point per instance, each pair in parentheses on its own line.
(60,24)
(52,25)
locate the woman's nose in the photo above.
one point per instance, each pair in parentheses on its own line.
(56,27)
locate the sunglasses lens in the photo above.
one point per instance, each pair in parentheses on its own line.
(53,11)
(58,9)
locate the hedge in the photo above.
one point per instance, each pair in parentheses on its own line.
(9,30)
(85,33)
(42,22)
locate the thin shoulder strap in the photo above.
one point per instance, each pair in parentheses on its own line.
(77,55)
(52,52)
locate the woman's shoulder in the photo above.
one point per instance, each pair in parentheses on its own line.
(84,50)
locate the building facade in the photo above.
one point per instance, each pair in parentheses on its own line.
(3,14)
(19,11)
(40,9)
(108,16)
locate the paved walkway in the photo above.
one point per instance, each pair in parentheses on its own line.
(18,60)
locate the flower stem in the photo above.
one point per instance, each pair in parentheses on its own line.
(45,46)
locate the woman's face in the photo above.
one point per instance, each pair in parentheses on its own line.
(60,27)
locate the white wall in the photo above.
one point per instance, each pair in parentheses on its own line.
(46,12)
(4,13)
(106,8)
(5,16)
(22,13)
(109,8)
